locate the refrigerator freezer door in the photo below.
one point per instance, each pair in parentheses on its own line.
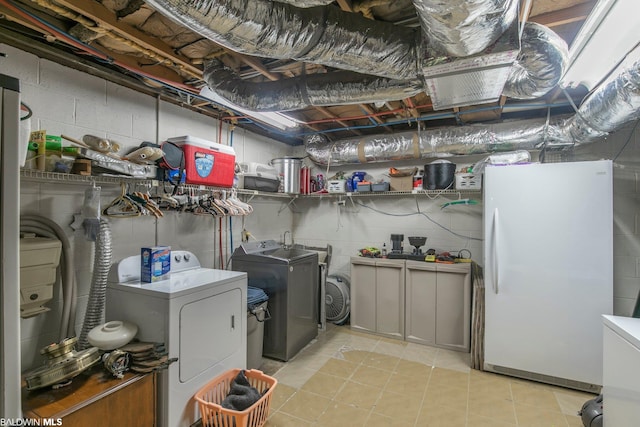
(548,267)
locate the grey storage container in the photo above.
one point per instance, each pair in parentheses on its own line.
(256,316)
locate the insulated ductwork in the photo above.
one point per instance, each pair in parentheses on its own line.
(461,27)
(320,35)
(438,142)
(609,107)
(337,88)
(539,65)
(306,3)
(537,70)
(329,36)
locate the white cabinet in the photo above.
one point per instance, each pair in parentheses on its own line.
(621,377)
(421,302)
(377,296)
(438,308)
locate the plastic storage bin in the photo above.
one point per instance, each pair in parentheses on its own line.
(213,393)
(468,181)
(256,316)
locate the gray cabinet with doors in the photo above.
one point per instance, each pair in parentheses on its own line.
(438,309)
(377,296)
(420,302)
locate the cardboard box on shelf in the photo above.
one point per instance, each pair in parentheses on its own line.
(401,183)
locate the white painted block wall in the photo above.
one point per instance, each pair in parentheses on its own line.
(65,101)
(74,103)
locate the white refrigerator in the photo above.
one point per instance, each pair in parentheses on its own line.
(548,269)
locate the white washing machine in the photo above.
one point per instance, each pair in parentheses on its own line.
(199,313)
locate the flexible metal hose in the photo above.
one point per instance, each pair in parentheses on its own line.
(46,227)
(97,294)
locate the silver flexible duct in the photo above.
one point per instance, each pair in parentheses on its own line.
(329,36)
(337,88)
(306,3)
(540,64)
(429,143)
(98,292)
(613,104)
(46,227)
(610,106)
(320,35)
(461,28)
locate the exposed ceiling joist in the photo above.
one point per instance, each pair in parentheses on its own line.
(572,14)
(105,18)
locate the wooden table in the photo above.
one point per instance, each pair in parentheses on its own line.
(96,398)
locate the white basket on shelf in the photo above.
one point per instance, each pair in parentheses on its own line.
(468,181)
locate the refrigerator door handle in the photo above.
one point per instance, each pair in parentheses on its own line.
(496,265)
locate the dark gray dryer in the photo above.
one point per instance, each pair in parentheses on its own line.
(289,276)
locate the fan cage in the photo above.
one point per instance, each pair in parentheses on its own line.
(337,299)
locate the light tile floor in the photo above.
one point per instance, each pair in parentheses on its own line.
(345,378)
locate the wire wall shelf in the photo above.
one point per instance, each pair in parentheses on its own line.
(43,176)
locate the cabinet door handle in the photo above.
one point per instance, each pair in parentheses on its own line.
(496,264)
(233,321)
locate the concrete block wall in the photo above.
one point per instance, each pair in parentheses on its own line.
(623,147)
(65,101)
(74,103)
(370,220)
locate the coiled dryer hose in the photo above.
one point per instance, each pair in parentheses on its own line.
(97,294)
(45,227)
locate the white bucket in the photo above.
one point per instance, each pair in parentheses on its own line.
(289,173)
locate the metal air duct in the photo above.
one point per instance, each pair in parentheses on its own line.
(613,104)
(610,106)
(337,88)
(321,35)
(437,142)
(461,27)
(306,3)
(537,69)
(540,64)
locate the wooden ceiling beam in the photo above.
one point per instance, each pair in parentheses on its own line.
(412,109)
(330,115)
(256,65)
(345,5)
(377,119)
(106,19)
(568,15)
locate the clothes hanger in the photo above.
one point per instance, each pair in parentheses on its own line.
(122,206)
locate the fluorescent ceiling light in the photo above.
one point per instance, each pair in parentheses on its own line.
(278,120)
(606,37)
